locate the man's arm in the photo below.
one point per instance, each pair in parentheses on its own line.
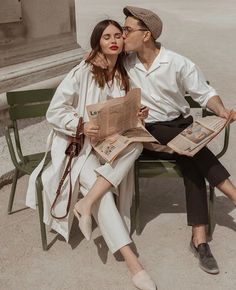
(216,105)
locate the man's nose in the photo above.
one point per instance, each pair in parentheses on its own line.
(124,35)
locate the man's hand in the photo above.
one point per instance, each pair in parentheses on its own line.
(99,60)
(91,130)
(233,116)
(143,113)
(226,113)
(216,105)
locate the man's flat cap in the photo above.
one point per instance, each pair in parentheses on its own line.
(149,18)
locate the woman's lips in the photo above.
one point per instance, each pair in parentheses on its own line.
(114,47)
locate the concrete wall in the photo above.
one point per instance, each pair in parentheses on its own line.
(39,19)
(44,18)
(47,29)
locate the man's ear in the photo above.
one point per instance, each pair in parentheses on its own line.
(147,36)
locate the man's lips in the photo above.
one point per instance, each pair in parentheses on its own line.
(114,47)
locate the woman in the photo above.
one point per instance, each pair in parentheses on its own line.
(84,85)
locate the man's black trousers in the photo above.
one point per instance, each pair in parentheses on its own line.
(194,169)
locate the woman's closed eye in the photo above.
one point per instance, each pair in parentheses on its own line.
(108,36)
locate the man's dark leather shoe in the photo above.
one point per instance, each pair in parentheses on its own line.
(206,260)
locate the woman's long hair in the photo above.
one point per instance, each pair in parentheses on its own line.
(99,74)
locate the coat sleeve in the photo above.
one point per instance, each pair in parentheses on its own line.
(62,109)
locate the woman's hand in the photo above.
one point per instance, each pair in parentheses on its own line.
(91,130)
(143,113)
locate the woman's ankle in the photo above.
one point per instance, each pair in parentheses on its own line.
(83,207)
(131,260)
(135,270)
(134,266)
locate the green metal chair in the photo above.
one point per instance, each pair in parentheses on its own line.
(149,167)
(24,105)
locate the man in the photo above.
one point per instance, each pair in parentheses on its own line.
(164,77)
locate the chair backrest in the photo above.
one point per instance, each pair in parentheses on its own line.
(29,104)
(194,105)
(191,102)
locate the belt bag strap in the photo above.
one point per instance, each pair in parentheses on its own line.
(72,150)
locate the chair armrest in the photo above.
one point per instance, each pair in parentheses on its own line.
(226,142)
(226,136)
(10,146)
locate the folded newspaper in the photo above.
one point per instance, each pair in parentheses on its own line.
(118,123)
(198,134)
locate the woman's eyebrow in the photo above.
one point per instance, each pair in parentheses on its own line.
(109,34)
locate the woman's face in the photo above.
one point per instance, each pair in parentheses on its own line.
(111,41)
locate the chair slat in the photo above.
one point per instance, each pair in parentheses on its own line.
(29,111)
(25,97)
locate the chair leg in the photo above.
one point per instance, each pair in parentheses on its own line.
(39,188)
(13,191)
(137,200)
(211,226)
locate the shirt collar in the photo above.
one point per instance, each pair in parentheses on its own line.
(161,59)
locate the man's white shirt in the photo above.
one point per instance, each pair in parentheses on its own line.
(164,85)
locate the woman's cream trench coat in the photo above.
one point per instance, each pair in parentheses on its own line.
(76,91)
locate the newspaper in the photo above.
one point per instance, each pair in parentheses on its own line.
(118,123)
(198,134)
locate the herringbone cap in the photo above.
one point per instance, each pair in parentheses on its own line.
(150,19)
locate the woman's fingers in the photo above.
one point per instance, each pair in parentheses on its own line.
(143,113)
(90,130)
(93,132)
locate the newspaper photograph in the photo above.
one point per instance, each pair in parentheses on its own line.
(118,123)
(198,134)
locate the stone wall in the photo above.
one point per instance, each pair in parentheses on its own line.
(39,19)
(46,27)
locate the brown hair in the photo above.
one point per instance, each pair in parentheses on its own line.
(99,74)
